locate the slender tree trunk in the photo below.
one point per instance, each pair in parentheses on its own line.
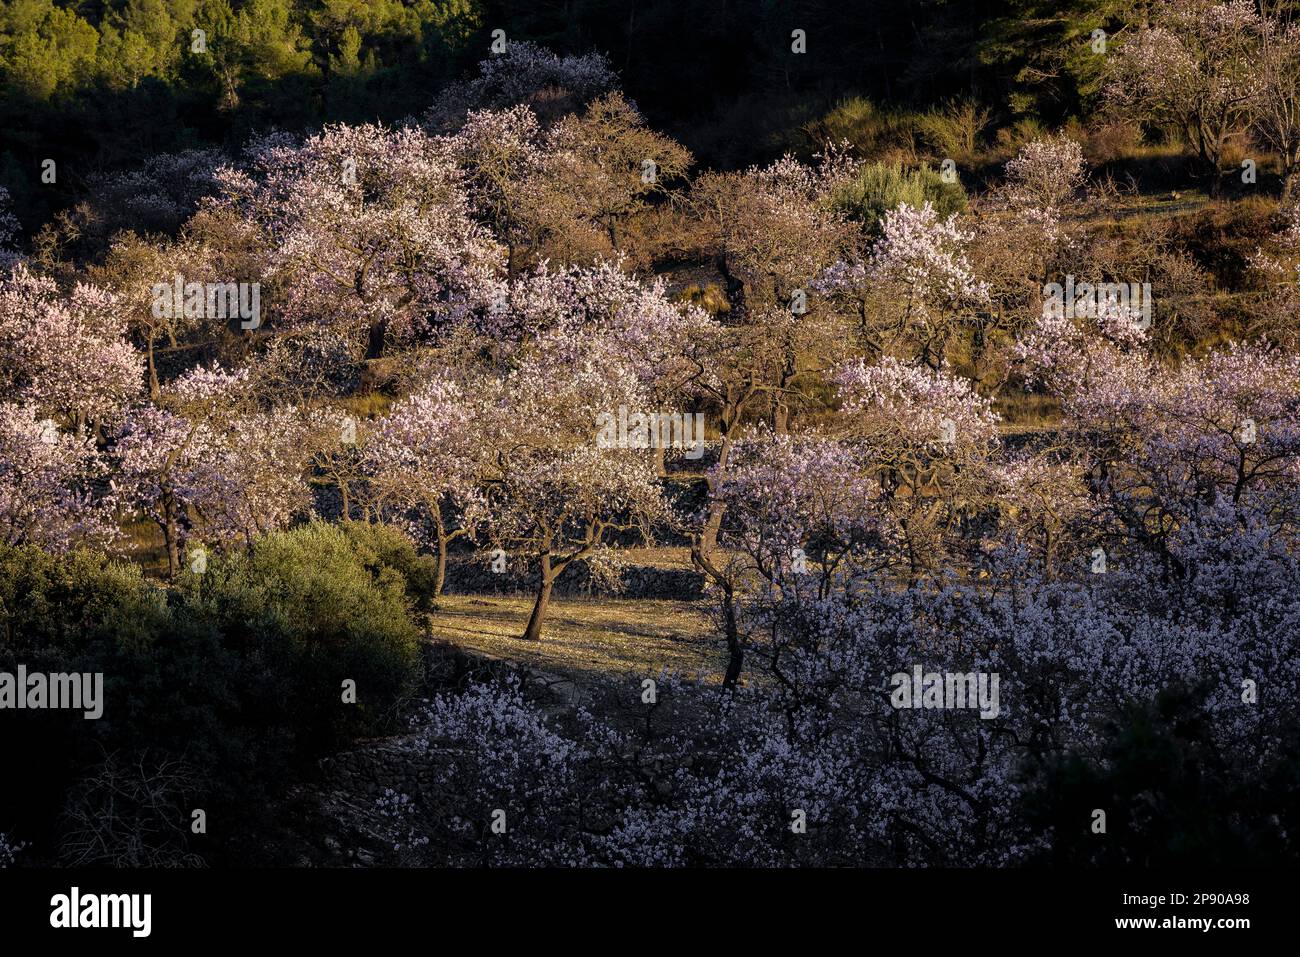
(1216,169)
(702,550)
(444,542)
(735,647)
(155,389)
(781,419)
(534,630)
(707,540)
(440,572)
(169,534)
(705,543)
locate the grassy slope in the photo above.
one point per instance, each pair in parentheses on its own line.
(585,639)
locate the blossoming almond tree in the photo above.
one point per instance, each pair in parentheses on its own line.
(1045,173)
(802,513)
(917,290)
(1225,428)
(930,438)
(209,461)
(365,229)
(1279,104)
(67,355)
(54,484)
(429,455)
(612,163)
(525,74)
(553,493)
(505,163)
(1195,67)
(772,229)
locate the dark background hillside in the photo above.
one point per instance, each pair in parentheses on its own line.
(98,86)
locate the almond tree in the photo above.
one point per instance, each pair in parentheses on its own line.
(1195,67)
(529,75)
(209,462)
(428,455)
(662,340)
(506,174)
(67,355)
(132,268)
(1225,429)
(553,494)
(54,489)
(1279,104)
(1045,173)
(612,164)
(500,430)
(1019,242)
(929,437)
(916,291)
(363,229)
(771,230)
(802,513)
(572,346)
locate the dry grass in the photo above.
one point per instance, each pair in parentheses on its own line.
(143,544)
(659,556)
(1027,412)
(585,639)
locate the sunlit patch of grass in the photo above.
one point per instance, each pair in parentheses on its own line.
(660,556)
(143,544)
(1027,411)
(368,405)
(585,638)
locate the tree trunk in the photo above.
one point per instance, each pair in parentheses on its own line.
(155,389)
(440,573)
(781,419)
(444,542)
(375,339)
(534,630)
(708,536)
(169,534)
(735,649)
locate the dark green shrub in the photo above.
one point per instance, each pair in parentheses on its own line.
(879,188)
(872,133)
(307,610)
(62,606)
(231,675)
(378,546)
